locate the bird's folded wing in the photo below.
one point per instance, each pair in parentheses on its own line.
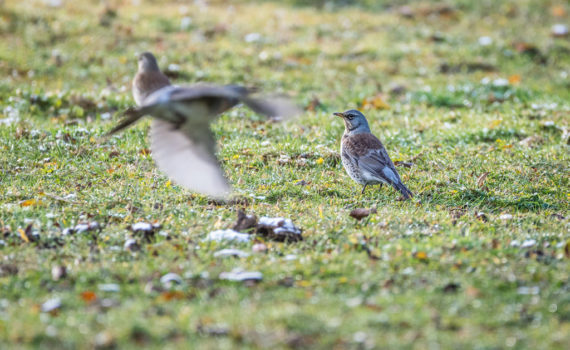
(187,161)
(378,163)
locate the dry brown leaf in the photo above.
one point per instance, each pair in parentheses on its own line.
(360,213)
(481,179)
(171,295)
(558,11)
(515,79)
(88,296)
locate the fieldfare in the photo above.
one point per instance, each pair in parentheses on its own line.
(364,156)
(182,143)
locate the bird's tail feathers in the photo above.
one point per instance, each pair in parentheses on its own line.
(403,190)
(130,116)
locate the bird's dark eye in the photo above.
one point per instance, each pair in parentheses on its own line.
(350,117)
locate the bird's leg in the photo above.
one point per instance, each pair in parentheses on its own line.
(363,188)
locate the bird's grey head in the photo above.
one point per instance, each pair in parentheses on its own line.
(354,121)
(147,62)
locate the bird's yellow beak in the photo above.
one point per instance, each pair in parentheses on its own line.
(339,114)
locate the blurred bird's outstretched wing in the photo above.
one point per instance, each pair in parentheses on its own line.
(187,156)
(182,143)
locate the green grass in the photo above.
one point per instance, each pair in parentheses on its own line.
(443,270)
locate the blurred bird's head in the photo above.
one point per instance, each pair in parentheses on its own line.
(147,62)
(354,121)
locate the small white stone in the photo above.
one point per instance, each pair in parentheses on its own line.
(252,37)
(109,287)
(169,279)
(227,235)
(51,305)
(485,41)
(528,243)
(238,275)
(231,252)
(559,30)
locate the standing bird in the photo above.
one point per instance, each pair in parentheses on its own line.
(364,156)
(182,143)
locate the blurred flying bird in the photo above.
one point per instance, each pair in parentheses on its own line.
(182,143)
(364,156)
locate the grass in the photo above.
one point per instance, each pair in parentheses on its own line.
(466,264)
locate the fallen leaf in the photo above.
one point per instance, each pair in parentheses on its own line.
(88,296)
(171,295)
(421,256)
(481,179)
(558,11)
(495,123)
(515,79)
(244,222)
(375,102)
(360,213)
(23,235)
(28,202)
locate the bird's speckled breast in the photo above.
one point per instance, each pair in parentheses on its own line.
(351,166)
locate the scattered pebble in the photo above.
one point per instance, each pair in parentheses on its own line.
(238,275)
(259,247)
(252,37)
(185,23)
(132,245)
(144,227)
(528,243)
(51,305)
(501,82)
(485,41)
(109,287)
(279,229)
(58,272)
(528,290)
(228,235)
(82,228)
(170,279)
(559,30)
(231,252)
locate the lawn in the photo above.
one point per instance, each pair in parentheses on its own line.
(471,99)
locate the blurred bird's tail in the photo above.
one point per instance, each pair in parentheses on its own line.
(403,190)
(130,116)
(273,107)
